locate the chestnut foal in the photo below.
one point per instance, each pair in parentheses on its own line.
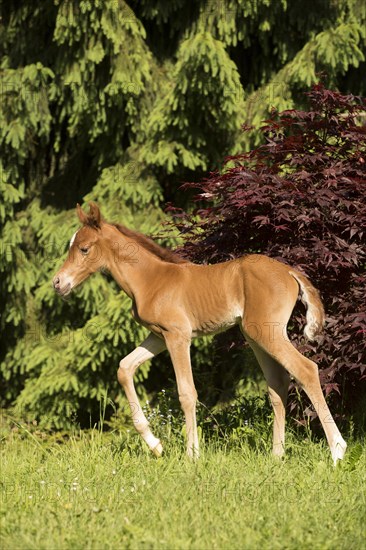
(178,300)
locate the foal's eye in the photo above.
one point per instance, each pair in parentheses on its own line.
(84,249)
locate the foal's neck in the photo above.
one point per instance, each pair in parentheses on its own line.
(130,264)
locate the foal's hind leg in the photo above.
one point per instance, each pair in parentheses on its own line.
(127,367)
(306,373)
(278,381)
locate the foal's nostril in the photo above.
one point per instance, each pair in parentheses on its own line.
(56,282)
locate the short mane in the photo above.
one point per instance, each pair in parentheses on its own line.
(164,254)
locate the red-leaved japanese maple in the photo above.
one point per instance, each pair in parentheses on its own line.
(300,198)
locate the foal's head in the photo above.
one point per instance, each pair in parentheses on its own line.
(86,254)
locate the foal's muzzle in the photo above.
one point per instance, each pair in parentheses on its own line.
(63,291)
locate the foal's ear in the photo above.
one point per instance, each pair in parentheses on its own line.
(81,214)
(94,217)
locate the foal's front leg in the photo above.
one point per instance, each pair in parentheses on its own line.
(179,349)
(127,367)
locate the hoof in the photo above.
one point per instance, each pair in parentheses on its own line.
(193,454)
(338,449)
(158,450)
(278,451)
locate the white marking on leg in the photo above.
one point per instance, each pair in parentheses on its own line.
(151,440)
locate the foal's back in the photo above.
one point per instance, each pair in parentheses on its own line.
(219,296)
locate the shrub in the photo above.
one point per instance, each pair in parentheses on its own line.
(300,198)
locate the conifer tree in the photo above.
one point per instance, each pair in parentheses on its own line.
(120,102)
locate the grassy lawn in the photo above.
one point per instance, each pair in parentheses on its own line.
(97,490)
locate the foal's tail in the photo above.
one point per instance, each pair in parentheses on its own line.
(314,308)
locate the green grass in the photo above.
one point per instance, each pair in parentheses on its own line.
(99,491)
